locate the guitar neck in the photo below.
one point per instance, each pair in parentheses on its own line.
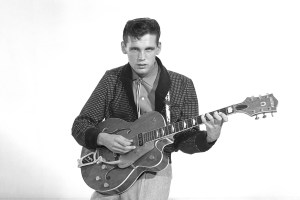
(178,127)
(251,106)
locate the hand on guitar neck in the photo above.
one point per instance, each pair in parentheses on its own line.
(115,143)
(213,124)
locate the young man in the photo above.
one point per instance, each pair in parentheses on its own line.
(141,86)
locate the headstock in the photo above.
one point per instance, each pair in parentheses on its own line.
(253,106)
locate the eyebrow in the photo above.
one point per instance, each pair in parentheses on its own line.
(131,48)
(147,48)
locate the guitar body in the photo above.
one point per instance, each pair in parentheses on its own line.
(110,179)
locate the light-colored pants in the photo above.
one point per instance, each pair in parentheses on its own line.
(147,187)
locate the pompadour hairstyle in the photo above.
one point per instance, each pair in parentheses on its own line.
(139,27)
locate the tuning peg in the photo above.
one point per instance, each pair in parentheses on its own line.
(256,117)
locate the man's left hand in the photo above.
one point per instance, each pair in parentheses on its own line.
(214,125)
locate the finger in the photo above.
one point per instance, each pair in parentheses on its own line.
(129,148)
(124,141)
(210,118)
(203,118)
(224,117)
(217,116)
(121,149)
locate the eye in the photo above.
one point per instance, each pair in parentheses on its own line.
(134,49)
(150,49)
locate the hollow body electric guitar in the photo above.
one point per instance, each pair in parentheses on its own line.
(110,173)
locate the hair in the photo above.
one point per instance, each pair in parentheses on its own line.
(139,27)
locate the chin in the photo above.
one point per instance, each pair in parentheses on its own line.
(141,70)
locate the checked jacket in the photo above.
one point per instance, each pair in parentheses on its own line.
(113,98)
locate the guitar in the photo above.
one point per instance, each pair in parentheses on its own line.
(110,173)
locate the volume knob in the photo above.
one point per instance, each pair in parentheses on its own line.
(106,185)
(151,157)
(103,167)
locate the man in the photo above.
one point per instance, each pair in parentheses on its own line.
(141,86)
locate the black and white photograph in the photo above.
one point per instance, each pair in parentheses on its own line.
(149,100)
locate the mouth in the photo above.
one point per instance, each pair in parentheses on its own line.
(141,65)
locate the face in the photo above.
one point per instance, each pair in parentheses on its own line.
(141,53)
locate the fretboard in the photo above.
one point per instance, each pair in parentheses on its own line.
(176,127)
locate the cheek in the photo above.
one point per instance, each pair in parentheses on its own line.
(151,57)
(132,58)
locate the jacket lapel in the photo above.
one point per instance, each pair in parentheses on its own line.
(164,84)
(126,78)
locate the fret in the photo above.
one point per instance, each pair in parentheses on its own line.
(158,133)
(169,127)
(163,132)
(184,124)
(173,129)
(176,126)
(180,125)
(153,135)
(150,135)
(166,130)
(189,123)
(193,121)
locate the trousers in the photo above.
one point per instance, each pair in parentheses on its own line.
(148,187)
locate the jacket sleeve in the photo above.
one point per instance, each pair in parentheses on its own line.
(193,140)
(84,128)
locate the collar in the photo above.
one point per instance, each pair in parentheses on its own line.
(149,79)
(164,84)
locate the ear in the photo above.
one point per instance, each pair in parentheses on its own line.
(158,48)
(123,47)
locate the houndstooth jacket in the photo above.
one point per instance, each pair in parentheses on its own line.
(113,98)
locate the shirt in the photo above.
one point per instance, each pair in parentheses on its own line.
(146,100)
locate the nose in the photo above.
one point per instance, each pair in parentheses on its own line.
(141,55)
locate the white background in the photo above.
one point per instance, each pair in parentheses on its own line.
(53,53)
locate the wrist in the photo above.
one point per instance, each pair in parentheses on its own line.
(100,138)
(210,139)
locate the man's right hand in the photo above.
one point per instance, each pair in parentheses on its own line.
(115,143)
